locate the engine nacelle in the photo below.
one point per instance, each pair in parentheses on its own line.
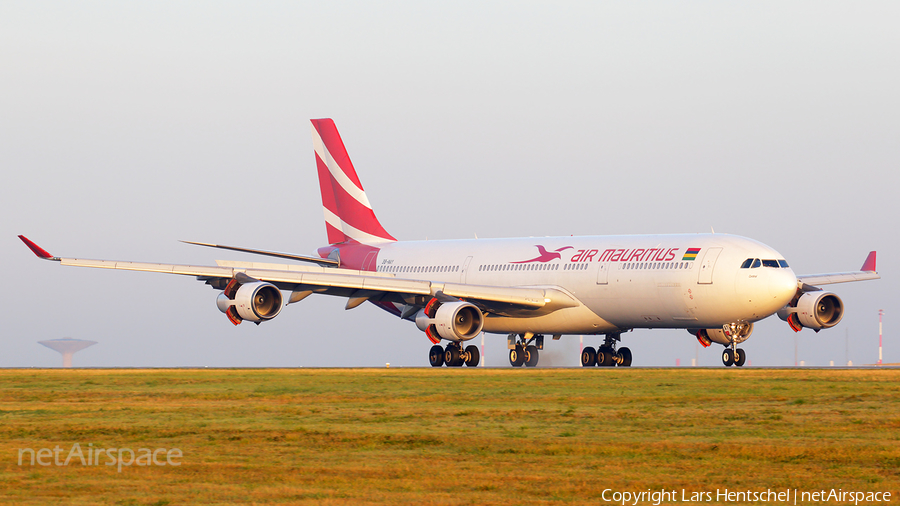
(731,333)
(255,302)
(814,310)
(454,321)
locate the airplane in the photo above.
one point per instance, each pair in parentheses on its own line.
(715,286)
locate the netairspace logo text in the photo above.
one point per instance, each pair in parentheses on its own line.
(90,456)
(785,496)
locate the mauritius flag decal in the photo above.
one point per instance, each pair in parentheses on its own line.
(691,254)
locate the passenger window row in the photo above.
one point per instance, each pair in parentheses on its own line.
(517,267)
(657,265)
(418,268)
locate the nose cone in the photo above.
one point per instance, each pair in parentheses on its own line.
(782,286)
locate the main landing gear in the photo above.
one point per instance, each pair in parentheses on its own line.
(606,355)
(523,349)
(454,355)
(733,356)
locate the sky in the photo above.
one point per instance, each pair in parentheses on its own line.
(128,126)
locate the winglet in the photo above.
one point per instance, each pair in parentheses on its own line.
(39,251)
(869,264)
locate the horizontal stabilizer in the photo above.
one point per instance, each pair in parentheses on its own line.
(325,262)
(866,272)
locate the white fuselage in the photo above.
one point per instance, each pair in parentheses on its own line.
(689,281)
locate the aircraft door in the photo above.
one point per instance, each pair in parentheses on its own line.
(465,270)
(707,265)
(603,274)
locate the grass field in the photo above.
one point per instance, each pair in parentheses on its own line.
(448,436)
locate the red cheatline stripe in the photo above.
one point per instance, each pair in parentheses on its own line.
(335,145)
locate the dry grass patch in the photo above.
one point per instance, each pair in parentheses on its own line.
(447,436)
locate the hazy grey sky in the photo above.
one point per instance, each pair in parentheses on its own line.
(126,126)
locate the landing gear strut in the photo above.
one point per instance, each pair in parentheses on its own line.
(454,355)
(523,349)
(606,355)
(734,356)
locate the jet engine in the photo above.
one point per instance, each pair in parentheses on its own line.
(256,301)
(454,321)
(729,333)
(814,310)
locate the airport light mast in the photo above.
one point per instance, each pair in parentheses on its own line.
(880,316)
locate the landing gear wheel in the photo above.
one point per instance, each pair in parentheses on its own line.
(588,357)
(436,356)
(728,357)
(517,356)
(740,356)
(452,356)
(473,356)
(605,356)
(625,353)
(531,356)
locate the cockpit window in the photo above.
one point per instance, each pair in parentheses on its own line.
(753,263)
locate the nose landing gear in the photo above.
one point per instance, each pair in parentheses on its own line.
(734,356)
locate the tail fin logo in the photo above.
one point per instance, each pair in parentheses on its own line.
(348,213)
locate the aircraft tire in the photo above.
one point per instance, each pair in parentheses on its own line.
(588,357)
(728,357)
(531,356)
(517,356)
(625,353)
(452,356)
(473,356)
(740,356)
(605,356)
(436,356)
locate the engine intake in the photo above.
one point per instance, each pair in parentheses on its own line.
(454,321)
(255,302)
(814,310)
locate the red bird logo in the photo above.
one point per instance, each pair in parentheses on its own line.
(545,256)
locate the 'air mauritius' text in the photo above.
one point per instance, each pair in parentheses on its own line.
(626,255)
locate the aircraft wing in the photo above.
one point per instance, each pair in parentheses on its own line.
(358,286)
(867,271)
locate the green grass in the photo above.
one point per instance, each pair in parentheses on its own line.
(449,436)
